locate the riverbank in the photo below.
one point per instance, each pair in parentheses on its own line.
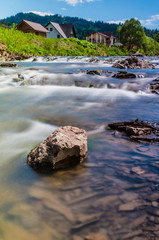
(16,45)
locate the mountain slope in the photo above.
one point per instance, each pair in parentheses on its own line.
(83,27)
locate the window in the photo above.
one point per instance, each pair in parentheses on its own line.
(58,36)
(50,29)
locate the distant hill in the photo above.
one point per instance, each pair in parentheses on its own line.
(83,27)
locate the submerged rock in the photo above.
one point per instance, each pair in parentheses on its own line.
(138,130)
(133,63)
(7,64)
(96,236)
(154,86)
(95,72)
(65,147)
(124,75)
(100,72)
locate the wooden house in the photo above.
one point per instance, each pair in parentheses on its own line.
(106,38)
(32,27)
(64,30)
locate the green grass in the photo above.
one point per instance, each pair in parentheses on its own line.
(27,43)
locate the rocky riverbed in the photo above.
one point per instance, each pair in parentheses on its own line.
(113,195)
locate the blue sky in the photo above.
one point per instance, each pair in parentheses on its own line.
(147,11)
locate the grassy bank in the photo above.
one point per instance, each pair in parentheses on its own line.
(23,43)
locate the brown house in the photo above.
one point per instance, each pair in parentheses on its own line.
(32,27)
(101,37)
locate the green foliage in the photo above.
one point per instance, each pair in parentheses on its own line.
(150,47)
(131,34)
(157,37)
(82,26)
(28,43)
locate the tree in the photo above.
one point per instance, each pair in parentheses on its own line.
(131,34)
(157,37)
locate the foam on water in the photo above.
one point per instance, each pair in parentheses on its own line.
(15,143)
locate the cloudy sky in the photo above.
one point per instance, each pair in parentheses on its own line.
(147,11)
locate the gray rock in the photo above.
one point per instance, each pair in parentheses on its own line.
(137,54)
(138,130)
(65,147)
(133,63)
(7,64)
(124,75)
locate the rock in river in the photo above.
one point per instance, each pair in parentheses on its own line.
(124,75)
(138,130)
(7,64)
(133,63)
(65,147)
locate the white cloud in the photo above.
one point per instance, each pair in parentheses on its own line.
(117,21)
(152,22)
(75,2)
(41,13)
(64,9)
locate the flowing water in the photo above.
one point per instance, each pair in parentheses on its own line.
(116,191)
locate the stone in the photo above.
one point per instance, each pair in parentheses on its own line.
(154,86)
(75,237)
(94,72)
(124,75)
(137,130)
(131,206)
(96,236)
(6,64)
(153,196)
(137,54)
(138,170)
(155,204)
(65,147)
(133,63)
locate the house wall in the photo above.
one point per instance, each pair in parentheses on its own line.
(98,38)
(54,33)
(27,29)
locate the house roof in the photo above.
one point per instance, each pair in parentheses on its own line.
(58,28)
(64,29)
(105,34)
(36,26)
(68,28)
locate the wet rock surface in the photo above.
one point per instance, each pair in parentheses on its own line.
(65,147)
(138,54)
(154,86)
(96,236)
(100,72)
(124,75)
(7,64)
(133,63)
(138,130)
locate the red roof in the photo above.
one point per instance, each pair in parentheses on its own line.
(36,26)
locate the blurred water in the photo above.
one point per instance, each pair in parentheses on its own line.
(87,198)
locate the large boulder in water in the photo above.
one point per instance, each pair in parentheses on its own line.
(133,63)
(65,147)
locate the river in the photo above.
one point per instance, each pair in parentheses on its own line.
(105,194)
